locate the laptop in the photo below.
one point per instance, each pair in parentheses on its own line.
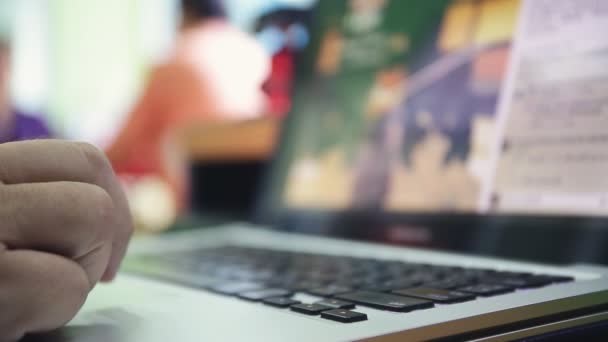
(440,177)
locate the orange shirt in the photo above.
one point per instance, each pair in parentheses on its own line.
(215,73)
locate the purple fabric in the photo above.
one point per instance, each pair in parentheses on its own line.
(26,128)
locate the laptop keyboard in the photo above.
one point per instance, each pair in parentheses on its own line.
(272,277)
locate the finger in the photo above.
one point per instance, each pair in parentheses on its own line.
(55,160)
(65,218)
(38,292)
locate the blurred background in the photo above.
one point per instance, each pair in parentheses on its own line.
(84,63)
(187,98)
(96,70)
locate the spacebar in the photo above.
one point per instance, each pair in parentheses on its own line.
(386,301)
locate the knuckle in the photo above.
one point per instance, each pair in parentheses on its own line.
(76,289)
(92,214)
(3,193)
(101,205)
(9,225)
(95,158)
(39,307)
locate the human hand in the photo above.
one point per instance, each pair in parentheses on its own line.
(64,226)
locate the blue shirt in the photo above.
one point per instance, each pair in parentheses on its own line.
(25,128)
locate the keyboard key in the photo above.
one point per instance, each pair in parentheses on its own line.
(450,283)
(436,295)
(303,286)
(423,277)
(257,295)
(234,288)
(476,273)
(385,301)
(329,291)
(553,279)
(512,274)
(560,279)
(310,309)
(337,304)
(344,316)
(525,282)
(318,276)
(365,282)
(394,284)
(280,302)
(486,290)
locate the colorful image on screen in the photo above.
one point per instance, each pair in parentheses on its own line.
(405,105)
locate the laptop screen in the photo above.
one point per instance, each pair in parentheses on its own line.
(475,106)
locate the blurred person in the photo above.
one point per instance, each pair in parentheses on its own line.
(64,226)
(15,125)
(214,73)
